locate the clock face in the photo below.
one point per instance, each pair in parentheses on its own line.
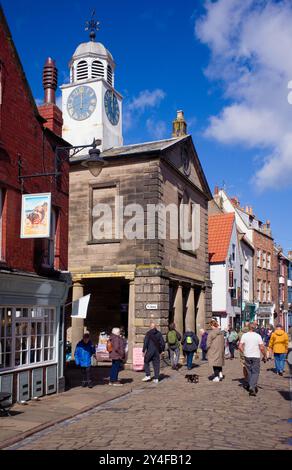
(81,103)
(112,107)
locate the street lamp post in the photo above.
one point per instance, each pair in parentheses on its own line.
(93,161)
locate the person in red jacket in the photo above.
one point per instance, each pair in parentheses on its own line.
(117,355)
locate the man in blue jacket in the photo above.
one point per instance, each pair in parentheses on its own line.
(83,352)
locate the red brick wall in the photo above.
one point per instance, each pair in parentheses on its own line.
(21,132)
(265,243)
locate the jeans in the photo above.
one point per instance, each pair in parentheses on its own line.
(204,355)
(280,361)
(232,347)
(174,356)
(190,355)
(155,359)
(86,375)
(252,365)
(217,369)
(115,369)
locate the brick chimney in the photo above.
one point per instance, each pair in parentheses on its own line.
(49,110)
(179,125)
(290,255)
(235,201)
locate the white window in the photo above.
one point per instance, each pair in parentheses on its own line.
(82,70)
(269,296)
(264,291)
(97,69)
(258,258)
(268,260)
(259,287)
(110,75)
(264,259)
(1,223)
(27,336)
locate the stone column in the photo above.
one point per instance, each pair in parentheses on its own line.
(191,314)
(131,321)
(77,323)
(179,310)
(201,311)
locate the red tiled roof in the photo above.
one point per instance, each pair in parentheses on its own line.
(220,230)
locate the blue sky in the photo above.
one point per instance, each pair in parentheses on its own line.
(226,63)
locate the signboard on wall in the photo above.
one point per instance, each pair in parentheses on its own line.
(36,216)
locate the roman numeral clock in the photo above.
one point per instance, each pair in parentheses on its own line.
(92,108)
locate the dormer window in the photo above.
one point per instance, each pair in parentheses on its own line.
(110,75)
(82,70)
(97,69)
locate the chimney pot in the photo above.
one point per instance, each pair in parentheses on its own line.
(50,80)
(216,190)
(179,125)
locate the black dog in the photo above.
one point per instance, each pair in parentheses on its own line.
(192,378)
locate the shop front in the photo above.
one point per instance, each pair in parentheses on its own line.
(265,315)
(31,334)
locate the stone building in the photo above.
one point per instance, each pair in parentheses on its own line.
(132,281)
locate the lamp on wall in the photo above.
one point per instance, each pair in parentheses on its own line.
(94,162)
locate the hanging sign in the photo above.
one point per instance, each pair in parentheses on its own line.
(36,216)
(80,307)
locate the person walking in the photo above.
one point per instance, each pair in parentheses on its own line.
(83,353)
(153,346)
(216,350)
(267,338)
(173,338)
(245,329)
(190,343)
(279,345)
(232,338)
(252,345)
(116,349)
(203,344)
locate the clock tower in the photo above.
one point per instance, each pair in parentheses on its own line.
(92,108)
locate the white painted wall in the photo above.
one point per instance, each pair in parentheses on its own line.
(229,208)
(218,278)
(231,310)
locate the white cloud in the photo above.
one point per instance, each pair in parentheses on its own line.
(146,99)
(157,129)
(250,43)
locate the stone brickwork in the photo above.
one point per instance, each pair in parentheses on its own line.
(150,288)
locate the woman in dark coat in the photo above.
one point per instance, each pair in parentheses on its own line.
(216,349)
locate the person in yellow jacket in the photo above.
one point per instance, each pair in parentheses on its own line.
(279,345)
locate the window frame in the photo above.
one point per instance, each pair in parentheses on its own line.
(40,315)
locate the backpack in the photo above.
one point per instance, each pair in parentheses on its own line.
(172,338)
(189,340)
(109,346)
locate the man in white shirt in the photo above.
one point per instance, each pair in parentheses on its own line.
(251,345)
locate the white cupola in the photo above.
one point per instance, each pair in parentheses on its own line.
(92,107)
(92,60)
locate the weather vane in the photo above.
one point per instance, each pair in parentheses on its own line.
(92,26)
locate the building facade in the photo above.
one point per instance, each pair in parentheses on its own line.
(265,266)
(283,277)
(289,284)
(33,288)
(147,274)
(225,270)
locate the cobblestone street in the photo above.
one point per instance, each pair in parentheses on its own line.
(182,416)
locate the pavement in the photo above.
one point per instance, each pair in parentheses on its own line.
(172,415)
